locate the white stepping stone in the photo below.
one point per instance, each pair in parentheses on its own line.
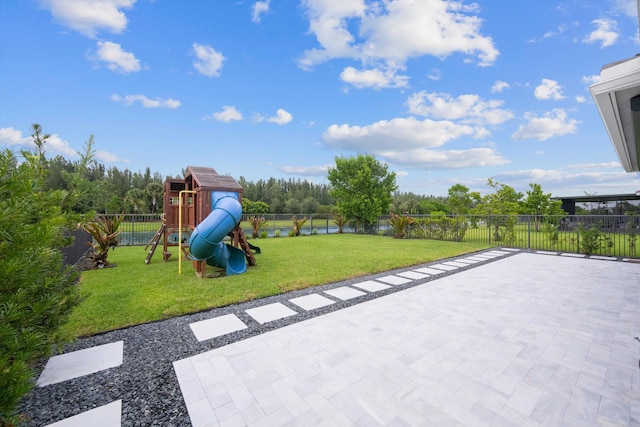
(479,258)
(311,302)
(573,255)
(413,275)
(216,327)
(444,267)
(371,286)
(604,258)
(455,264)
(430,271)
(546,253)
(344,293)
(510,249)
(498,253)
(394,280)
(487,255)
(80,363)
(103,416)
(469,260)
(270,312)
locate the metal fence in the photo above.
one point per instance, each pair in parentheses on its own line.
(72,254)
(610,235)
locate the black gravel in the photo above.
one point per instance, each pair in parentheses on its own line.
(146,382)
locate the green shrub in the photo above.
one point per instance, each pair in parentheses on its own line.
(439,227)
(264,234)
(632,243)
(552,233)
(277,233)
(37,291)
(590,239)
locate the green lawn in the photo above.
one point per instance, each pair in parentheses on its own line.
(133,292)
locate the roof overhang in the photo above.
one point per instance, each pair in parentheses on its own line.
(617,97)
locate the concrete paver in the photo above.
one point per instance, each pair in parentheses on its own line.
(344,293)
(270,312)
(82,362)
(218,326)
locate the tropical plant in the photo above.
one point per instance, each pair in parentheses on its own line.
(155,191)
(297,224)
(104,231)
(400,223)
(339,220)
(257,222)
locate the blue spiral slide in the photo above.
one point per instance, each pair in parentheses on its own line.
(206,242)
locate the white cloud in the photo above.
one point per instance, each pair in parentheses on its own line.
(607,165)
(228,114)
(394,135)
(208,61)
(107,157)
(320,170)
(375,78)
(606,32)
(468,109)
(412,143)
(435,74)
(146,102)
(551,124)
(499,86)
(590,80)
(390,33)
(53,145)
(561,29)
(282,117)
(628,7)
(89,16)
(573,179)
(548,89)
(259,8)
(115,58)
(580,99)
(445,159)
(12,137)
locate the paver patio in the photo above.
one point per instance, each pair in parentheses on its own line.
(527,340)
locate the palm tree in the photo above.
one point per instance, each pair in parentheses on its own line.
(155,191)
(136,198)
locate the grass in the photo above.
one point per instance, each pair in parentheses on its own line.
(134,293)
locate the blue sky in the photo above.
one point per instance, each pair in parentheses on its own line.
(442,92)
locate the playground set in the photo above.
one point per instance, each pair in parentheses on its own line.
(206,207)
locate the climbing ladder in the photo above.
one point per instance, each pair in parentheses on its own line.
(246,246)
(154,242)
